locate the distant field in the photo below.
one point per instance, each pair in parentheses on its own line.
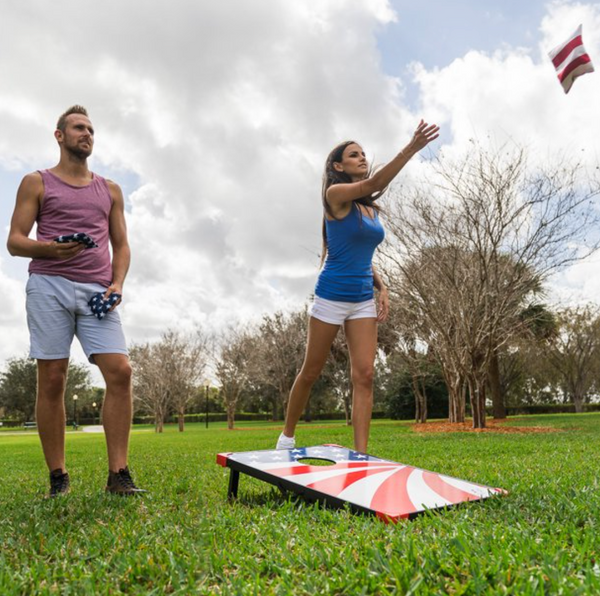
(184,538)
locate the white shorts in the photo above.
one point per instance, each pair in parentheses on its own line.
(334,312)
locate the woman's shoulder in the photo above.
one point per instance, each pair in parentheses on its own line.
(337,212)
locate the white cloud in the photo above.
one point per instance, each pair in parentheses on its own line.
(513,93)
(225,111)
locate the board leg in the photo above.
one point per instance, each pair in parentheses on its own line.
(234,480)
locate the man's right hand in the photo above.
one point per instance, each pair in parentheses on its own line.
(65,250)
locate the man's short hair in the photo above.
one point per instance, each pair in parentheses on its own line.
(62,121)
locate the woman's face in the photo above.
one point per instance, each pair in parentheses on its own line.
(354,162)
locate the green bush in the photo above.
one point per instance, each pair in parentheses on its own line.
(400,397)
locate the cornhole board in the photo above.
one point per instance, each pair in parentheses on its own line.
(368,484)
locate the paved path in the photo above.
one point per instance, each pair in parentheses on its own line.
(93,429)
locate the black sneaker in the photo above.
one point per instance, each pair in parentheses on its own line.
(121,483)
(59,483)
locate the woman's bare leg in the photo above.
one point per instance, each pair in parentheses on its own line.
(318,345)
(361,337)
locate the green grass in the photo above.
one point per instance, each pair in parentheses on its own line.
(184,538)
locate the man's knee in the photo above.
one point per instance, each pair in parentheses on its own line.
(118,372)
(52,379)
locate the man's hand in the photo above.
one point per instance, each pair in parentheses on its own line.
(65,250)
(114,288)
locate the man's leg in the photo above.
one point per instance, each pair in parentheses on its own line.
(117,409)
(50,410)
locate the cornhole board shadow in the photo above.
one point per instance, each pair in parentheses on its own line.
(368,484)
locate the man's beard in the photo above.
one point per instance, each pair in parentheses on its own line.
(77,152)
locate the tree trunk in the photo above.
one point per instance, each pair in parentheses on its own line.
(274,417)
(420,401)
(578,402)
(158,422)
(181,420)
(477,391)
(498,406)
(230,416)
(456,399)
(347,408)
(307,413)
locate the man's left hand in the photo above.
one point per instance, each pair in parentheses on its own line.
(114,288)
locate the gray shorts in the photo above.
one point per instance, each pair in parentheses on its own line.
(57,310)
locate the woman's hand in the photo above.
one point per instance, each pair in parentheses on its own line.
(383,305)
(424,134)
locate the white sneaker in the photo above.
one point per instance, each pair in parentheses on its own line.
(285,442)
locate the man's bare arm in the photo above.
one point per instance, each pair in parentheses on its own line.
(29,196)
(118,239)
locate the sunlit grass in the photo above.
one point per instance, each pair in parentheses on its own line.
(183,537)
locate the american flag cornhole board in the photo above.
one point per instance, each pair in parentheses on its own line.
(381,487)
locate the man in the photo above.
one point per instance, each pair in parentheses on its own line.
(64,276)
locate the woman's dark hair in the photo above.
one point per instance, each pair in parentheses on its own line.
(331,176)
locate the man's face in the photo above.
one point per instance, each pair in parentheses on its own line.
(78,136)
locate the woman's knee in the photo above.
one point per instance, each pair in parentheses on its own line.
(309,375)
(363,376)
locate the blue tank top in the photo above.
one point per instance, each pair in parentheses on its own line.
(347,275)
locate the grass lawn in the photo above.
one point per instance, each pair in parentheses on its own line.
(184,538)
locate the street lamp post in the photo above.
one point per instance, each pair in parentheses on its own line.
(75,398)
(94,405)
(206,388)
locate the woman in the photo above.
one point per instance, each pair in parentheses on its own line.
(344,291)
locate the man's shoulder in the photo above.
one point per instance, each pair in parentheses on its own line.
(33,177)
(32,182)
(114,189)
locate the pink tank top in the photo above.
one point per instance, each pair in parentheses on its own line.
(68,209)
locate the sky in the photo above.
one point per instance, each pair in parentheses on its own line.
(216,118)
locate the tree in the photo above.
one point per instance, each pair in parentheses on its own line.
(280,347)
(166,374)
(18,386)
(401,402)
(337,375)
(149,389)
(400,341)
(575,352)
(471,248)
(233,368)
(186,362)
(508,365)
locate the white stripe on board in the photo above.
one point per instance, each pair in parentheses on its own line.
(421,495)
(362,491)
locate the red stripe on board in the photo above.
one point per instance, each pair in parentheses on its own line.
(449,492)
(334,486)
(388,518)
(222,458)
(391,498)
(583,59)
(564,53)
(306,469)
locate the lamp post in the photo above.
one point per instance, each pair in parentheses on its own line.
(206,387)
(75,398)
(94,405)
